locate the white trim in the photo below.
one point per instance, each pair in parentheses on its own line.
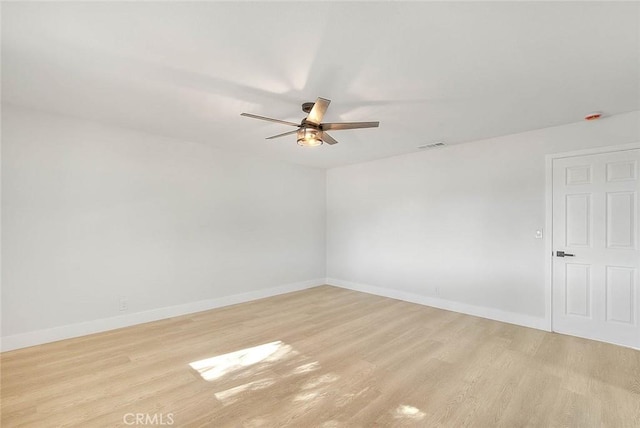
(54,334)
(449,305)
(548,244)
(595,151)
(605,340)
(548,288)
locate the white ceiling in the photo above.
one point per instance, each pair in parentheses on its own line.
(456,72)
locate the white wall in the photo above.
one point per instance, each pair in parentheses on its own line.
(91,213)
(461,218)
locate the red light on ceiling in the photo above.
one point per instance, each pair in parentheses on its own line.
(593,116)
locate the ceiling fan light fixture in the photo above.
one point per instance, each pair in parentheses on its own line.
(311,131)
(309,137)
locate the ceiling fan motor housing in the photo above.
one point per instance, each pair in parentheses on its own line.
(306,107)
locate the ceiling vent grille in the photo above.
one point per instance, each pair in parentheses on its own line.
(431,145)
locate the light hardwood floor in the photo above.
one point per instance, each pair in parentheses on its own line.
(323,357)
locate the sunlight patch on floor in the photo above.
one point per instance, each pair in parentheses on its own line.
(231,395)
(409,412)
(348,397)
(320,386)
(305,368)
(214,368)
(256,423)
(317,381)
(306,396)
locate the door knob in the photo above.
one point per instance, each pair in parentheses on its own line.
(563,254)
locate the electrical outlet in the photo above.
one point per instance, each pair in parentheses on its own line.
(539,234)
(123,304)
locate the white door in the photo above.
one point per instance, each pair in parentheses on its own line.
(595,224)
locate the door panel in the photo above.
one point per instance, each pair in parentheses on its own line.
(620,220)
(620,171)
(595,224)
(578,285)
(578,220)
(580,174)
(620,294)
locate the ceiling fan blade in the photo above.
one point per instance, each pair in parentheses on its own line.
(282,135)
(348,125)
(254,116)
(328,139)
(317,112)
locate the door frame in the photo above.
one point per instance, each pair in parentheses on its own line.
(548,224)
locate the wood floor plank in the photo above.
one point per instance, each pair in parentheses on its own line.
(324,357)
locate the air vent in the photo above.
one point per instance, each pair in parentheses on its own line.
(432,145)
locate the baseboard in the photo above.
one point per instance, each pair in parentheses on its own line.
(478,311)
(38,337)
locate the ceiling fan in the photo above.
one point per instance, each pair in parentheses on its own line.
(311,132)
